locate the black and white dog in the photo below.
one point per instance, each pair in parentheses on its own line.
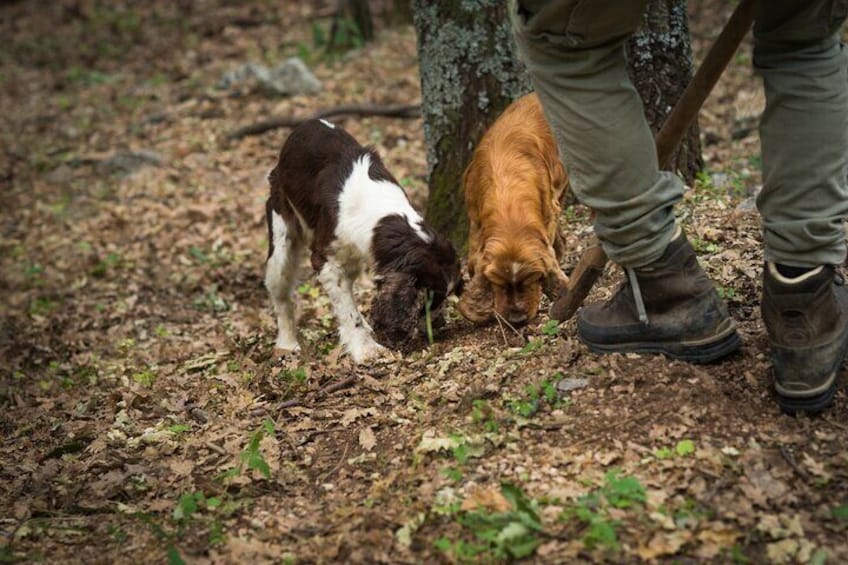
(334,196)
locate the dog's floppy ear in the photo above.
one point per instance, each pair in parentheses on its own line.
(396,311)
(477,303)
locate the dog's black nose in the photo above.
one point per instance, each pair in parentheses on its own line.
(517,317)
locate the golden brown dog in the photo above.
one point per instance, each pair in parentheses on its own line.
(513,189)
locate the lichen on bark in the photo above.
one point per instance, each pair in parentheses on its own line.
(469,73)
(660,63)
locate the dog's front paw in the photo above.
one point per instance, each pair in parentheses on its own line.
(286,345)
(363,349)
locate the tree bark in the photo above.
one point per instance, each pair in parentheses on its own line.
(470,73)
(660,61)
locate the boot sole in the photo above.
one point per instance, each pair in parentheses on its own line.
(791,404)
(811,404)
(699,352)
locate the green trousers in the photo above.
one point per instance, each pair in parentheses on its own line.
(574,53)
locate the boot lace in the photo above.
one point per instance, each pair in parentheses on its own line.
(637,295)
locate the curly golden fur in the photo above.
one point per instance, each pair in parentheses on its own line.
(513,189)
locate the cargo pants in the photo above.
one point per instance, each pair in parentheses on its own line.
(574,52)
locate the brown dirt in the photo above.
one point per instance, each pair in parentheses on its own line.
(136,363)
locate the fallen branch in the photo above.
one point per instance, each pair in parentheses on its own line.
(339,385)
(322,393)
(405,111)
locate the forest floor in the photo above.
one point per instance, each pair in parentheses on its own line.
(145,418)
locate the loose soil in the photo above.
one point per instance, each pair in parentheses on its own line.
(146,418)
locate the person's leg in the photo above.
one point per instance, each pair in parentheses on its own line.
(574,53)
(804,137)
(803,131)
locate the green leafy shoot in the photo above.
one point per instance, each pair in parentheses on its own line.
(514,534)
(482,413)
(294,376)
(452,473)
(531,347)
(535,396)
(840,512)
(252,456)
(592,509)
(550,328)
(428,321)
(683,448)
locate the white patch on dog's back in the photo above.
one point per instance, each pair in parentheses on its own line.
(326,123)
(363,202)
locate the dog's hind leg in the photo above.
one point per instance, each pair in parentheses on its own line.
(354,332)
(285,253)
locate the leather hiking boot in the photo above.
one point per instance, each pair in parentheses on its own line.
(807,322)
(669,306)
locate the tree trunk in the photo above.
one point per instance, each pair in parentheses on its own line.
(360,11)
(660,59)
(400,12)
(352,24)
(469,72)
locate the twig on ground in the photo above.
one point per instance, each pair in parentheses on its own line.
(216,448)
(502,321)
(336,467)
(327,390)
(290,404)
(789,457)
(337,386)
(404,111)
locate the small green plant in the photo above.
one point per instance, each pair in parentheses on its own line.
(145,378)
(704,247)
(840,512)
(211,301)
(535,395)
(482,413)
(294,376)
(682,448)
(34,274)
(307,289)
(592,510)
(513,534)
(178,428)
(42,306)
(452,473)
(117,533)
(198,254)
(108,263)
(86,77)
(531,346)
(189,503)
(726,292)
(550,328)
(460,451)
(252,456)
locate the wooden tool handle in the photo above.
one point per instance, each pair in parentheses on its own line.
(689,104)
(587,271)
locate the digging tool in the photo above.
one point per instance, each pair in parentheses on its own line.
(591,264)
